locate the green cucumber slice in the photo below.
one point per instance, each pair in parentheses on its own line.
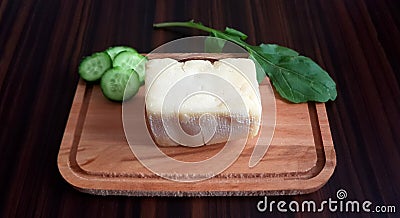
(131,60)
(114,51)
(93,67)
(119,84)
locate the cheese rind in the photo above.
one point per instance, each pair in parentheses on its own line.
(201,102)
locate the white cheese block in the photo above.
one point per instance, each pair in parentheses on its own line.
(200,102)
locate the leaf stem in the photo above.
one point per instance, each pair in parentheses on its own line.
(199,26)
(296,78)
(190,24)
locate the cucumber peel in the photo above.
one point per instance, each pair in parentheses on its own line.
(93,67)
(114,51)
(119,84)
(131,60)
(120,70)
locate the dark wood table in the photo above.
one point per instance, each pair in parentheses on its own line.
(42,42)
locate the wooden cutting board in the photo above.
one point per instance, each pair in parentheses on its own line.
(95,157)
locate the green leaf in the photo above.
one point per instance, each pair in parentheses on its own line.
(296,78)
(213,45)
(233,32)
(299,79)
(278,50)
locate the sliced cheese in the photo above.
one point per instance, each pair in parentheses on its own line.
(198,102)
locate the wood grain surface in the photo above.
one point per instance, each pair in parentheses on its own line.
(42,42)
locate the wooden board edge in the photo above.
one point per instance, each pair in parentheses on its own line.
(63,160)
(329,151)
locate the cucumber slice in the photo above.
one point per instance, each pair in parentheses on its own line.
(131,60)
(93,67)
(119,84)
(114,51)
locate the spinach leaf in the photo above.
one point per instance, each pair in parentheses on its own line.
(295,77)
(213,45)
(233,32)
